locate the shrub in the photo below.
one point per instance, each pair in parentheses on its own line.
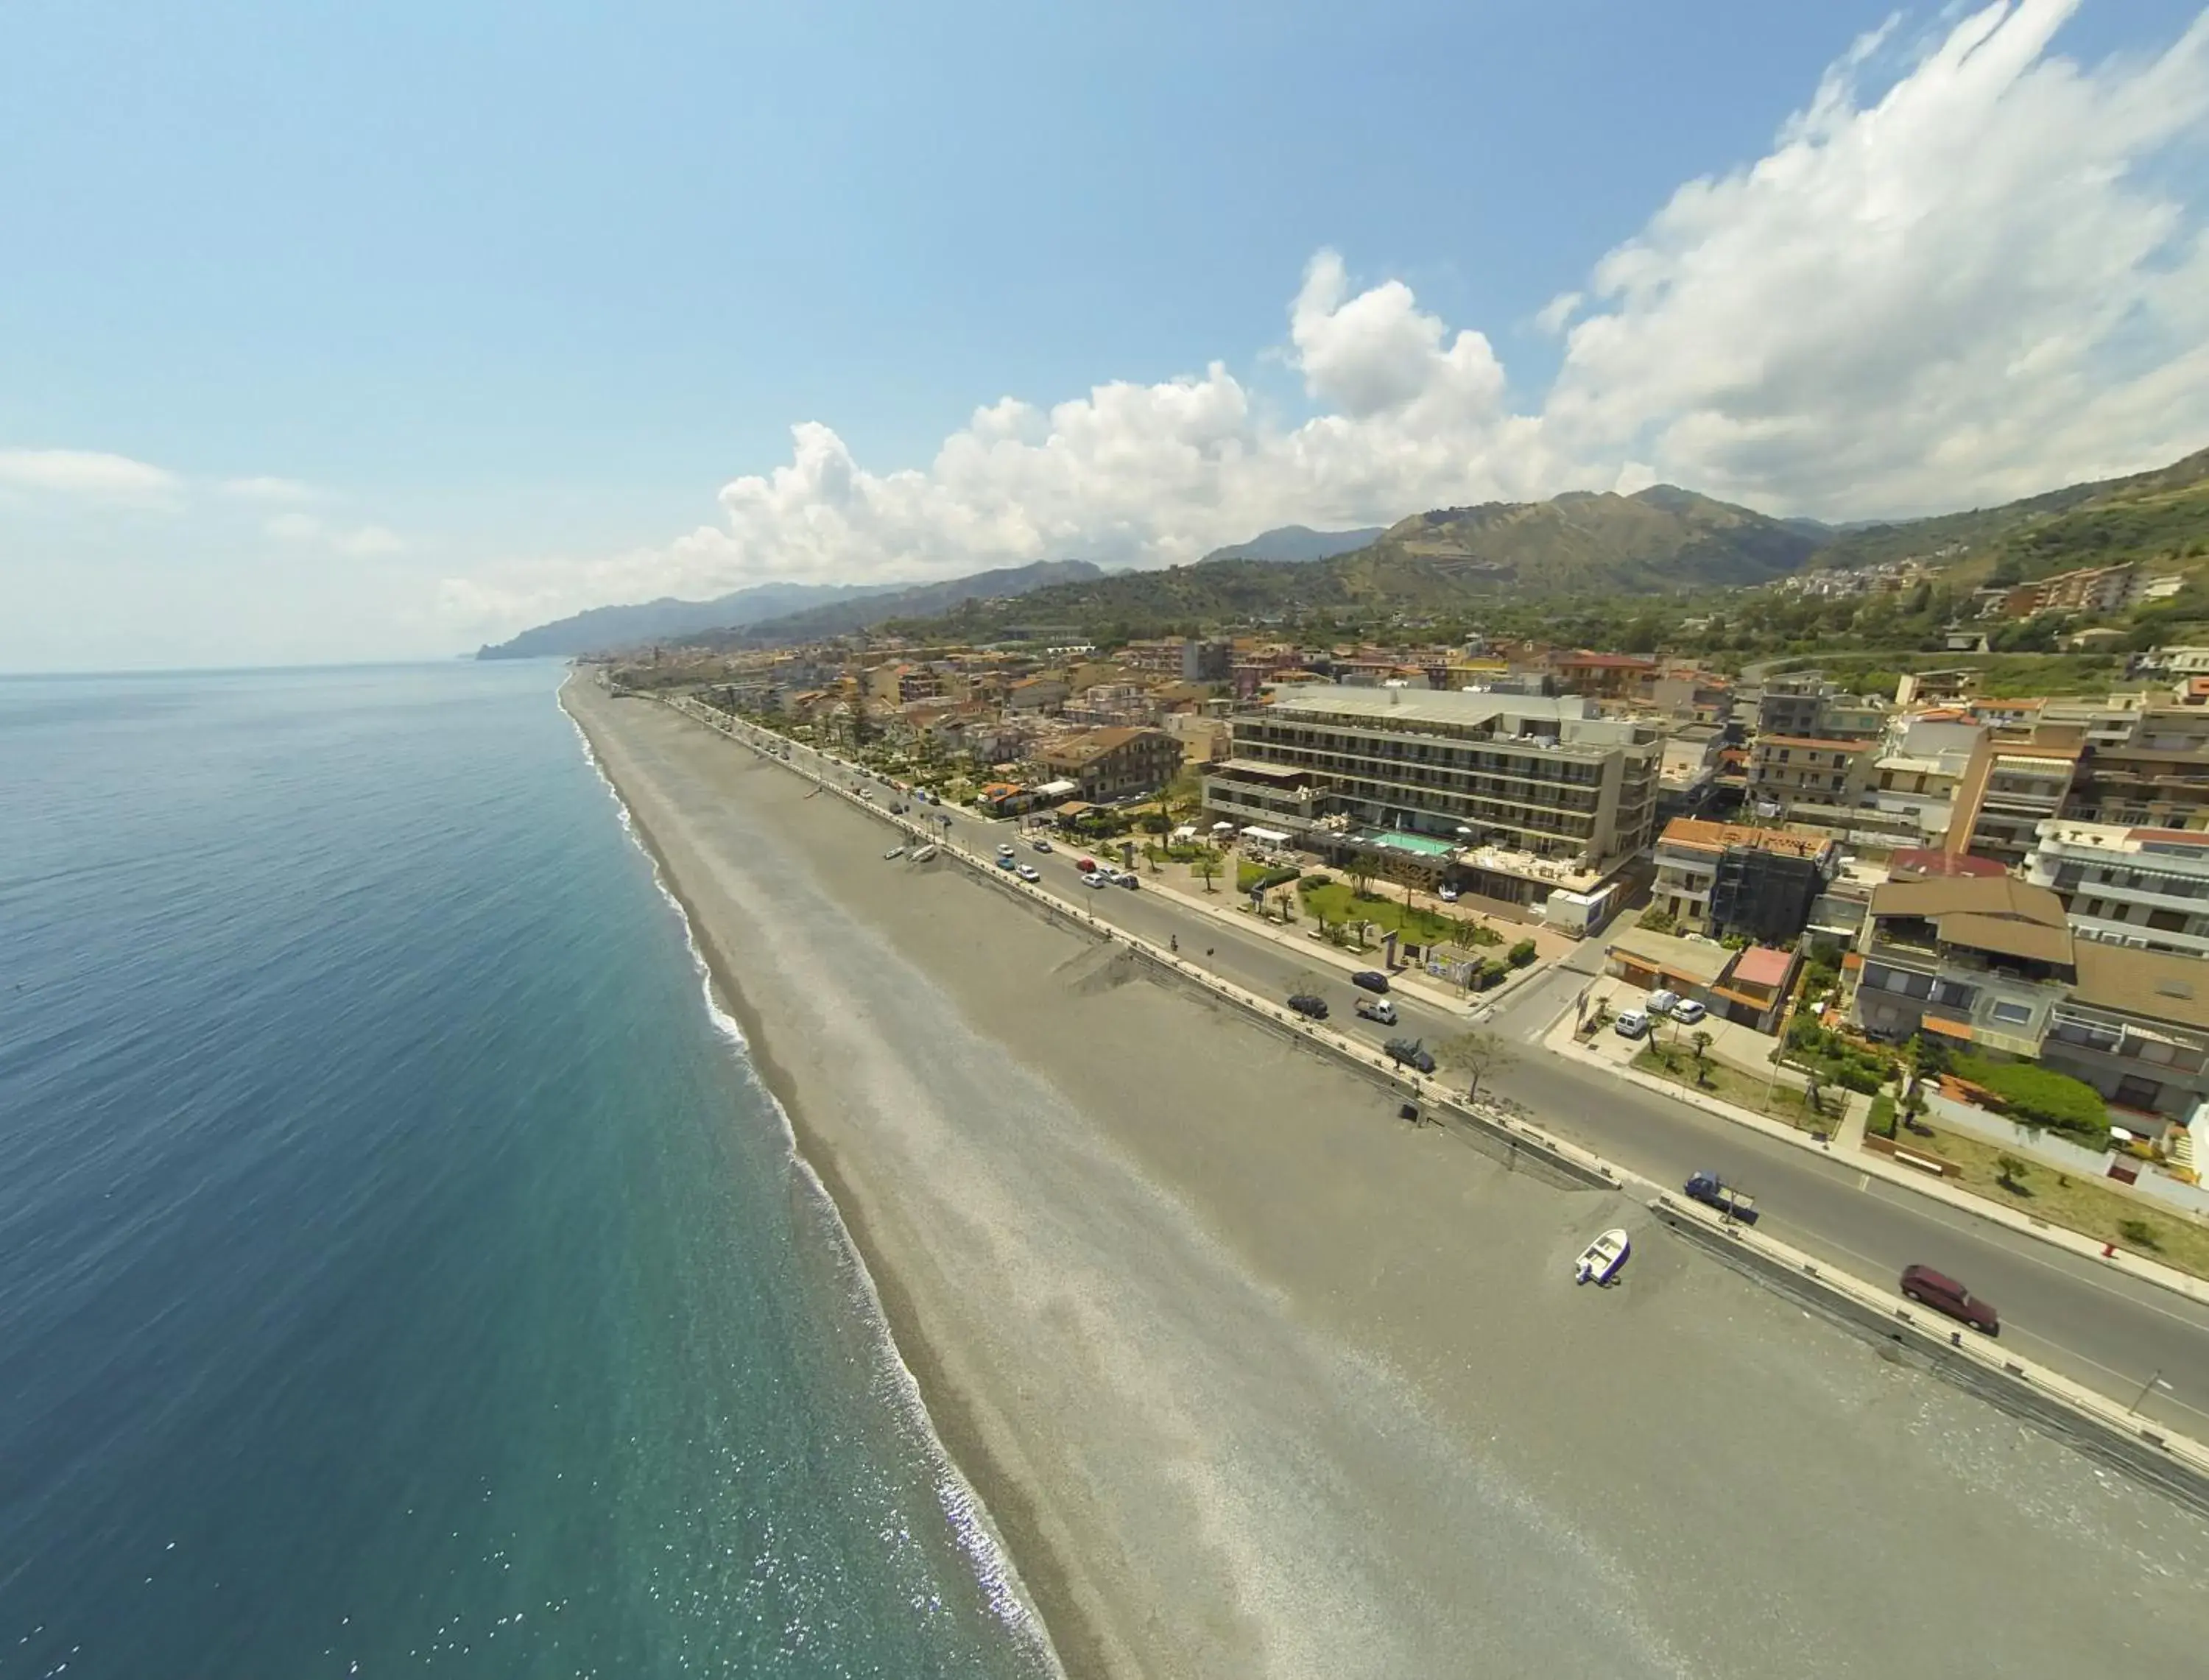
(1258,878)
(1489,974)
(2039,1096)
(1656,920)
(1312,884)
(2139,1232)
(1484,935)
(1880,1122)
(1522,954)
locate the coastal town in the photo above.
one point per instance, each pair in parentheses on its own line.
(1952,934)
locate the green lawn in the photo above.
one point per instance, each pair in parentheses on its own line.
(2093,1207)
(1778,1099)
(1247,875)
(1337,903)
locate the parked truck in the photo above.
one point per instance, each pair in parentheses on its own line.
(1714,1192)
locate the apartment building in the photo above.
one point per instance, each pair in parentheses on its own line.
(1806,778)
(2010,786)
(1989,963)
(1516,794)
(1113,763)
(1977,959)
(2146,888)
(2136,1028)
(1722,879)
(2094,590)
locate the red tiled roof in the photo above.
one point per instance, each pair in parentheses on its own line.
(1762,966)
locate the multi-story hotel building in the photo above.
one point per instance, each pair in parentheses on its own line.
(1514,795)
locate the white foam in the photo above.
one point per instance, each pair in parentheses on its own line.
(976,1535)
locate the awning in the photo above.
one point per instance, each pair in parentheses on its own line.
(1267,836)
(1946,1029)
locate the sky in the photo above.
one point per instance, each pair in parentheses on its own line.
(333,333)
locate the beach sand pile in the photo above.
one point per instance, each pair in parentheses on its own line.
(1257,1380)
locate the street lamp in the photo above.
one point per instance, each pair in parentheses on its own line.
(2154,1382)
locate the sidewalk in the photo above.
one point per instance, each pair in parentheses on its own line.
(1847,1142)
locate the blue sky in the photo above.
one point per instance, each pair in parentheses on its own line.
(427,321)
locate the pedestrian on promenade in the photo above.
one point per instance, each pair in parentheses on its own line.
(1174,941)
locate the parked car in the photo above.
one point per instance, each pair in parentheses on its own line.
(1028,872)
(1372,980)
(1930,1288)
(1087,865)
(1128,880)
(1447,894)
(1004,860)
(1631,1025)
(1661,1003)
(1377,1008)
(1304,1003)
(1401,1050)
(1040,844)
(1687,1012)
(1097,878)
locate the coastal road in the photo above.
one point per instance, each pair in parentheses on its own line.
(2101,1328)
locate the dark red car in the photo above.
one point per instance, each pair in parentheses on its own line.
(1930,1288)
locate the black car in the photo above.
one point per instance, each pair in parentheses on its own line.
(1401,1050)
(1305,1004)
(1372,980)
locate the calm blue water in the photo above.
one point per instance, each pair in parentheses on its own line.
(398,1270)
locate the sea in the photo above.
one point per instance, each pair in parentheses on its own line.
(402,1270)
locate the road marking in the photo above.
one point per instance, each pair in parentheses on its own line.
(2027,1252)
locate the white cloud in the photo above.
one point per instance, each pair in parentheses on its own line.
(1552,317)
(1969,286)
(1965,289)
(360,541)
(266,490)
(83,472)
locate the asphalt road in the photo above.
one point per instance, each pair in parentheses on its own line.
(2110,1332)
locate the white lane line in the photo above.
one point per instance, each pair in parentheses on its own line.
(1933,1212)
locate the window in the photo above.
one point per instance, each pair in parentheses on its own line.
(2012,1014)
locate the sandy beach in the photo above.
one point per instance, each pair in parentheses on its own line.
(1257,1381)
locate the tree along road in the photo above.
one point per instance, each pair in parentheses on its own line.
(2097,1326)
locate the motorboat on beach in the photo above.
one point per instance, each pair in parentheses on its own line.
(1600,1260)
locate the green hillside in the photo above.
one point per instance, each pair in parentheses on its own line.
(1659,541)
(2151,517)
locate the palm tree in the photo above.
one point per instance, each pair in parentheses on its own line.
(1206,868)
(1701,1042)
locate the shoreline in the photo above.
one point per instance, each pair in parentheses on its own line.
(1071,1641)
(1251,1380)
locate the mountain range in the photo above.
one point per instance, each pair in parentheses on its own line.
(1297,543)
(996,589)
(2154,516)
(1661,540)
(668,619)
